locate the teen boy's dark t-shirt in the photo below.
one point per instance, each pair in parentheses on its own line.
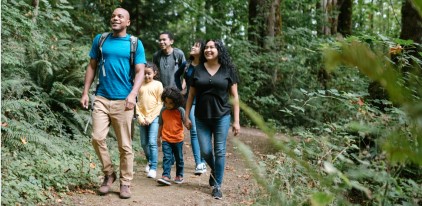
(212,92)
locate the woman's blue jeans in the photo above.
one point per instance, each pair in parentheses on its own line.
(149,142)
(194,139)
(219,128)
(171,152)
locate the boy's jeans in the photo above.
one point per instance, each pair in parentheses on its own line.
(171,150)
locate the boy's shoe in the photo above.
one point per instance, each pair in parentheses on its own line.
(200,169)
(152,174)
(178,180)
(216,193)
(147,168)
(108,181)
(164,181)
(125,192)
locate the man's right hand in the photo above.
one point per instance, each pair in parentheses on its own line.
(85,101)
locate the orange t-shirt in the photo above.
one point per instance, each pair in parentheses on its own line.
(172,122)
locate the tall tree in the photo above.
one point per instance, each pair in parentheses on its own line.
(264,22)
(345,17)
(411,23)
(329,19)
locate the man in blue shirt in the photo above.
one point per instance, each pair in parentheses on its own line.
(115,98)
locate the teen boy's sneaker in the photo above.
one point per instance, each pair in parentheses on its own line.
(152,174)
(216,193)
(164,181)
(178,180)
(147,168)
(200,169)
(108,181)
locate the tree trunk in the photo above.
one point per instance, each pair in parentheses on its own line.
(411,23)
(329,17)
(254,24)
(345,17)
(264,22)
(36,4)
(265,27)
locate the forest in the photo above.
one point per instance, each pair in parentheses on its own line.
(341,78)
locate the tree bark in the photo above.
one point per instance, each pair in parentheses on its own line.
(411,23)
(329,19)
(264,21)
(345,17)
(264,28)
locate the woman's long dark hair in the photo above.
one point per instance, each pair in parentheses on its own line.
(223,55)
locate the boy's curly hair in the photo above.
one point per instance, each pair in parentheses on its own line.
(174,94)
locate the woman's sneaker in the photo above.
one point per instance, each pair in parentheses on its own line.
(152,174)
(178,180)
(164,181)
(200,169)
(216,193)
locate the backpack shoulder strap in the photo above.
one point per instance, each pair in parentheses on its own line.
(133,47)
(101,42)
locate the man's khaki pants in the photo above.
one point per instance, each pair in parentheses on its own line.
(113,112)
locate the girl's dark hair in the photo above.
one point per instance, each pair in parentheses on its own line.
(154,68)
(174,94)
(201,44)
(223,55)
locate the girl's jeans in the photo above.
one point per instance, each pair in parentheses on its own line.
(149,142)
(206,128)
(170,151)
(194,139)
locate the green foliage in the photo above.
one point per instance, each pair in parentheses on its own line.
(418,6)
(404,142)
(42,141)
(335,164)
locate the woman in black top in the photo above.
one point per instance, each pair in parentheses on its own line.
(213,82)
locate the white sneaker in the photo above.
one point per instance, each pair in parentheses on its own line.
(200,169)
(152,174)
(147,168)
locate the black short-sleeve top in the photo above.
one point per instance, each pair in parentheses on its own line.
(213,92)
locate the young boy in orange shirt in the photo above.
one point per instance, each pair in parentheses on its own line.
(171,132)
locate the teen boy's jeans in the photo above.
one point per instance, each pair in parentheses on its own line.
(149,142)
(206,128)
(171,150)
(194,139)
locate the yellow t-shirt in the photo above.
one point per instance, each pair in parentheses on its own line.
(149,100)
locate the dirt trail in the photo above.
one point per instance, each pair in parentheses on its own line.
(239,187)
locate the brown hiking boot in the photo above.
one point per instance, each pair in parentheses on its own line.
(125,192)
(108,181)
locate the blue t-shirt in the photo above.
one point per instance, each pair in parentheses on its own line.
(115,80)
